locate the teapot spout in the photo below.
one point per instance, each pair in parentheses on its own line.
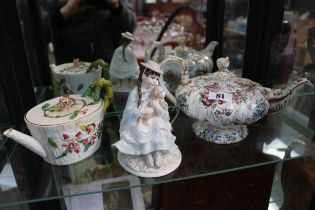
(210,48)
(26,140)
(279,98)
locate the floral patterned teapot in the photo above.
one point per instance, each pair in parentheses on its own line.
(223,104)
(66,129)
(75,77)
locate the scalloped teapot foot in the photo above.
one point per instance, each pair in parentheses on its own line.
(218,135)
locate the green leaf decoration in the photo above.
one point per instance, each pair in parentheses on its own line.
(66,89)
(93,124)
(74,115)
(63,154)
(96,64)
(52,143)
(84,127)
(86,147)
(80,87)
(45,106)
(92,103)
(88,92)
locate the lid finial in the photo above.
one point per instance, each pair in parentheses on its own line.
(223,63)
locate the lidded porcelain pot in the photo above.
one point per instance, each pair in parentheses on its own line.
(75,77)
(224,104)
(64,130)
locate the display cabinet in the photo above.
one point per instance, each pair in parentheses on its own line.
(210,176)
(272,168)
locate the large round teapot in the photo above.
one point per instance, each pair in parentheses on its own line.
(223,104)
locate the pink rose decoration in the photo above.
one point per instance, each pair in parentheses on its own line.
(90,129)
(78,135)
(77,63)
(71,145)
(86,141)
(66,136)
(77,149)
(84,111)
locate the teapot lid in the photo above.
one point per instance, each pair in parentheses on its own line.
(62,110)
(76,67)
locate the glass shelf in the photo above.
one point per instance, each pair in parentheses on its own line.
(265,144)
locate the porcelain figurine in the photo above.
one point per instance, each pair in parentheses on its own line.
(124,71)
(124,68)
(146,147)
(222,103)
(75,77)
(66,129)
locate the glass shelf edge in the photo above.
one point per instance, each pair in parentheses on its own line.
(152,183)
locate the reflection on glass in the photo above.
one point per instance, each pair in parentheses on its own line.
(295,58)
(150,1)
(188,22)
(296,49)
(235,24)
(130,199)
(4,113)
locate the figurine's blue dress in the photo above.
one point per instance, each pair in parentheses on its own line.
(139,138)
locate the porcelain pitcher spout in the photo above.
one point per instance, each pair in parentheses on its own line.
(28,141)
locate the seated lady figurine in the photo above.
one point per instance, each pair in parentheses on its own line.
(146,146)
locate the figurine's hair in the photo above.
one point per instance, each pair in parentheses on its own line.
(147,72)
(139,82)
(125,42)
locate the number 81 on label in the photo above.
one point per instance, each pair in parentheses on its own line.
(227,97)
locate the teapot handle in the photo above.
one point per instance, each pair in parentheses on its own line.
(109,94)
(94,90)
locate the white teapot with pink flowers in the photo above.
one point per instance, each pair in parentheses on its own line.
(66,129)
